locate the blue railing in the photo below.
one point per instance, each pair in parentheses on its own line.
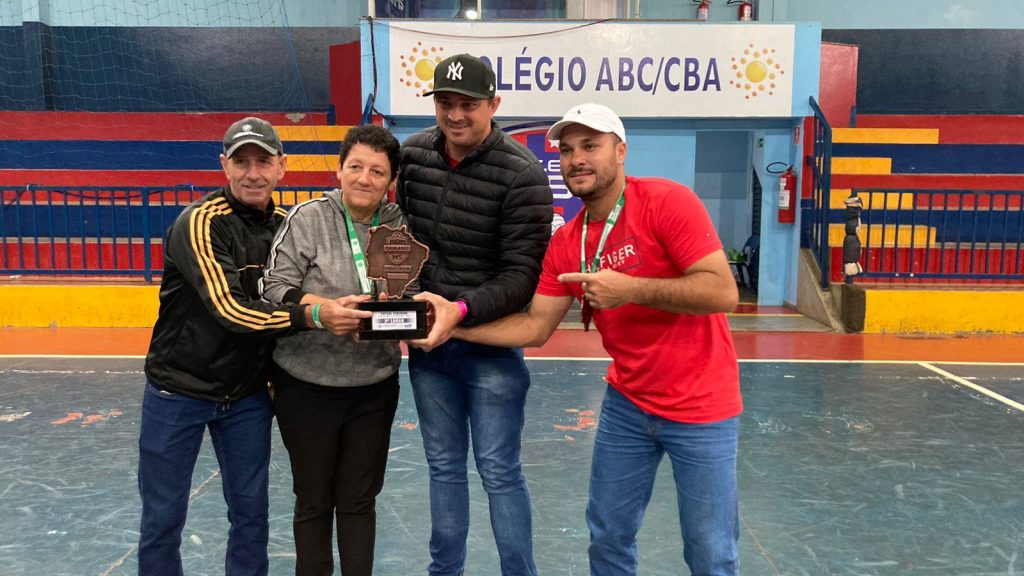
(96,230)
(941,234)
(815,218)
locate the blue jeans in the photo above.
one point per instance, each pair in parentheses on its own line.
(465,391)
(627,450)
(172,432)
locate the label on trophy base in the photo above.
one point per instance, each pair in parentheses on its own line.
(404,319)
(397,320)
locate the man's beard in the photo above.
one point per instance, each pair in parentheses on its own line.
(585,192)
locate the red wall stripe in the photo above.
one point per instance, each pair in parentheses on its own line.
(981,129)
(895,182)
(160,126)
(146,178)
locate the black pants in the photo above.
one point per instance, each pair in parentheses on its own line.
(337,440)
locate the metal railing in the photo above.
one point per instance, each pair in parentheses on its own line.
(97,230)
(942,234)
(815,218)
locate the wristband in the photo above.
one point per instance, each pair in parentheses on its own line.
(463,309)
(316,316)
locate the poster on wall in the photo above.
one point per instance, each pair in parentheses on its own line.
(640,70)
(533,135)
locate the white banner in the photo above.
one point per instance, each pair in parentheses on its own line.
(638,69)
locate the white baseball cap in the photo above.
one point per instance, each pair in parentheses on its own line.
(596,116)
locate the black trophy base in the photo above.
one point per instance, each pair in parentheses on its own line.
(403,319)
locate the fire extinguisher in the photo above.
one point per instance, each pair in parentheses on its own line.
(787,189)
(746,11)
(703,10)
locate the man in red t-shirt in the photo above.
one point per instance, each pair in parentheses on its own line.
(645,262)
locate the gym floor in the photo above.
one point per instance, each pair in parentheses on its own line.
(859,454)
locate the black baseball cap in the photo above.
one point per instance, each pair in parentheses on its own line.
(252,130)
(463,74)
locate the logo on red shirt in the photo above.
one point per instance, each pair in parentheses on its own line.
(622,256)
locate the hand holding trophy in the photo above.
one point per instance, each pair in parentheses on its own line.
(396,258)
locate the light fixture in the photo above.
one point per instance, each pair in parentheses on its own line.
(468,10)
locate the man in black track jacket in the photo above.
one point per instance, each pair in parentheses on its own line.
(208,357)
(482,203)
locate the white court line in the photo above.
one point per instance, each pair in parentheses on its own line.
(955,363)
(796,361)
(816,361)
(74,356)
(973,386)
(581,359)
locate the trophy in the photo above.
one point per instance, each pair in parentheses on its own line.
(396,258)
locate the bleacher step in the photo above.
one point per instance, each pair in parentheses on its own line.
(885,136)
(922,310)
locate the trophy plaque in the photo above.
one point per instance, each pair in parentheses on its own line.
(396,258)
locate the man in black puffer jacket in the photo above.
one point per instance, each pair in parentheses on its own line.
(482,203)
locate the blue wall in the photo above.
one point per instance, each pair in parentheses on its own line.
(937,71)
(905,14)
(840,14)
(832,14)
(723,181)
(155,69)
(779,242)
(186,56)
(194,13)
(21,67)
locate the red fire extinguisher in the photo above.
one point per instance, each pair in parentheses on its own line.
(787,189)
(746,11)
(703,9)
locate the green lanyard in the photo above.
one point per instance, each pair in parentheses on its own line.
(609,223)
(357,249)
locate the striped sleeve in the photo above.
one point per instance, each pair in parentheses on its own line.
(204,258)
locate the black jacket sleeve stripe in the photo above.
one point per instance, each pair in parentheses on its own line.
(215,280)
(222,295)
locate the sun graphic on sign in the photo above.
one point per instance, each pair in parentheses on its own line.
(417,69)
(756,71)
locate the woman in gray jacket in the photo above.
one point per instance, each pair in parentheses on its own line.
(335,397)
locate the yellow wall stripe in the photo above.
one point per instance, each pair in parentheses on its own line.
(884,135)
(313,133)
(294,197)
(890,235)
(54,306)
(876,200)
(887,311)
(312,163)
(943,311)
(839,165)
